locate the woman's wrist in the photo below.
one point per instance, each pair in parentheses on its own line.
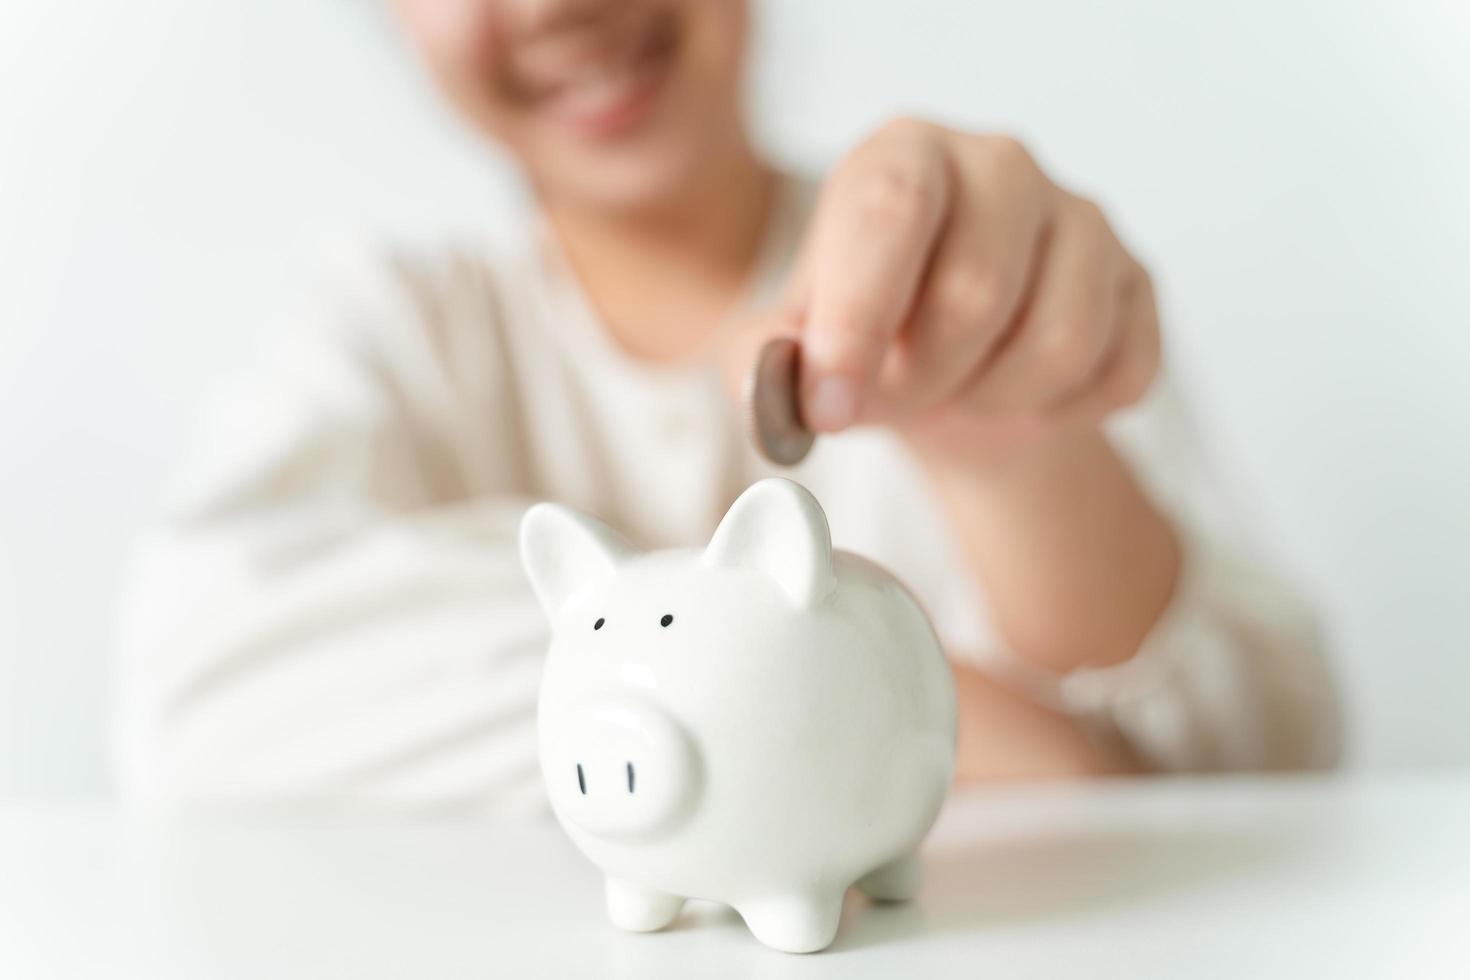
(1010,467)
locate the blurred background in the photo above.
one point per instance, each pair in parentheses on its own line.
(1296,173)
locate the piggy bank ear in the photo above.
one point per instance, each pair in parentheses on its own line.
(778,527)
(564,551)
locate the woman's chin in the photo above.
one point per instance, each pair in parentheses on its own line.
(620,179)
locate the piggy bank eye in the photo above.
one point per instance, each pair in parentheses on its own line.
(598,625)
(667,619)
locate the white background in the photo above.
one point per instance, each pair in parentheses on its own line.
(1295,172)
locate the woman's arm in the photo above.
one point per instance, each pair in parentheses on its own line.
(1075,562)
(1231,672)
(949,290)
(323,611)
(1153,648)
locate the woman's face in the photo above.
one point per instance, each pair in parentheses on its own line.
(605,103)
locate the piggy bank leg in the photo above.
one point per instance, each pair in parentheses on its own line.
(801,923)
(640,909)
(896,881)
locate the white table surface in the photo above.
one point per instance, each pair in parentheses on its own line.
(1343,877)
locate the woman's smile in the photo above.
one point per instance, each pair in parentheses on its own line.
(597,82)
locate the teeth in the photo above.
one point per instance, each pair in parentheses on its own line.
(615,67)
(589,97)
(603,73)
(596,88)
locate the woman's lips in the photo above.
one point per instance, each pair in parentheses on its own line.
(608,102)
(598,87)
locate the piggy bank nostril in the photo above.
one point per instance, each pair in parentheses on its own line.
(637,772)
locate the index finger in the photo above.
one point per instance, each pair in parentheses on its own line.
(872,238)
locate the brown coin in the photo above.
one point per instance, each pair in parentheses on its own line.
(772,411)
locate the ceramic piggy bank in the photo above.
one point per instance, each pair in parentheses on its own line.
(763,722)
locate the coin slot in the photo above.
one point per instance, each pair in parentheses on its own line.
(582,780)
(630,777)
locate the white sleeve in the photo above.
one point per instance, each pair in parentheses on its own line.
(320,614)
(1234,675)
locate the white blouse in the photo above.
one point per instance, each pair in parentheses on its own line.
(333,604)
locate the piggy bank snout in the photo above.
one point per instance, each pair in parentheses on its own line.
(619,768)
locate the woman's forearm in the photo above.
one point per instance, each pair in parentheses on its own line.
(1075,561)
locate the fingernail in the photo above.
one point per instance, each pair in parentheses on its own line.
(833,404)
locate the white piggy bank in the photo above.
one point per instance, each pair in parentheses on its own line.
(761,723)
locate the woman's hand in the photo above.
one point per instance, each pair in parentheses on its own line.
(949,289)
